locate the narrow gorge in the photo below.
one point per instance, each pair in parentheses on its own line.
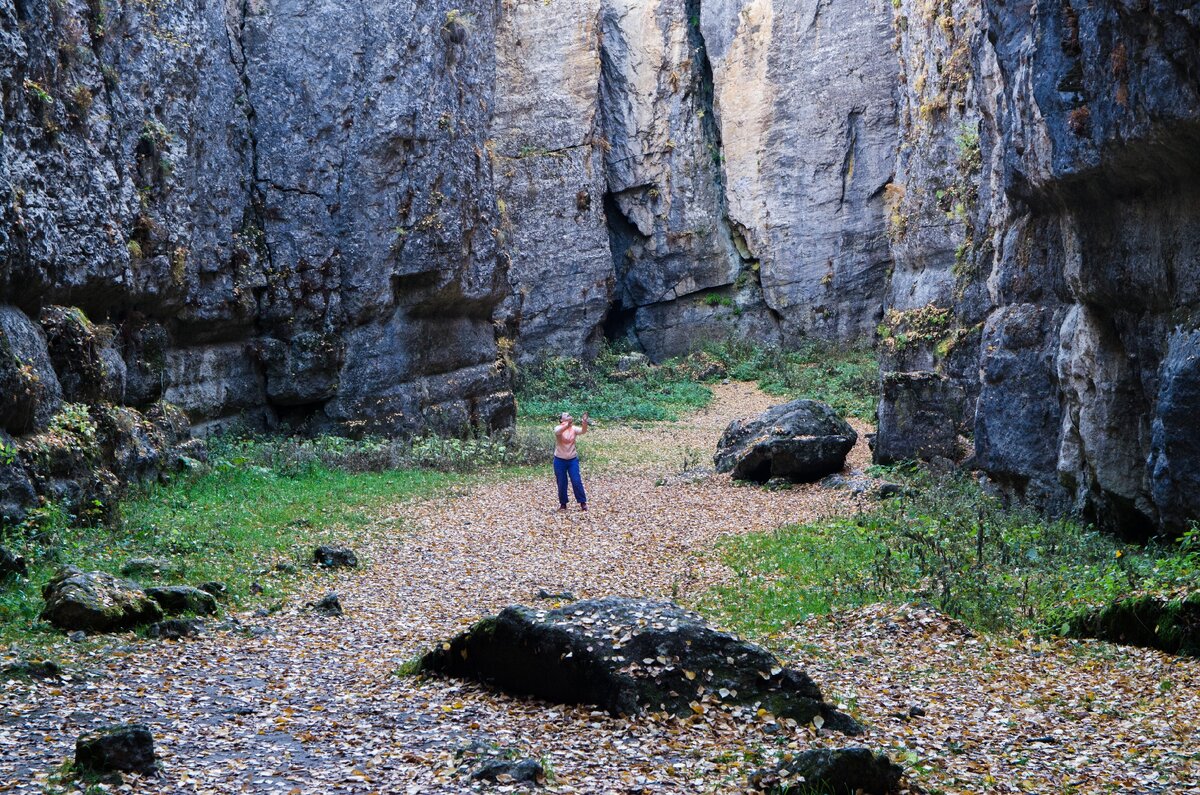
(352,217)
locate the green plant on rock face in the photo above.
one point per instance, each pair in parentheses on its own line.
(926,324)
(715,300)
(37,92)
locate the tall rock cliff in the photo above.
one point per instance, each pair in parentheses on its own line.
(1067,338)
(344,215)
(257,211)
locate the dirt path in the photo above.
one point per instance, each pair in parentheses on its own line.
(315,706)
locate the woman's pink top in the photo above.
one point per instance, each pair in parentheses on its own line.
(564,443)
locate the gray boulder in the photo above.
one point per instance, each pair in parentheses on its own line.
(844,771)
(627,656)
(176,599)
(335,558)
(330,605)
(126,747)
(96,601)
(802,441)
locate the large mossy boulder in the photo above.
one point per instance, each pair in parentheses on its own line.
(628,656)
(802,441)
(96,601)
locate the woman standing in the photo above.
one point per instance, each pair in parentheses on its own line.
(566,459)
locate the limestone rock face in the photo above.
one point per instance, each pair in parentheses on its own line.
(346,216)
(547,155)
(1048,202)
(804,98)
(268,208)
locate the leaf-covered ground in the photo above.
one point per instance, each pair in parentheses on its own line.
(294,702)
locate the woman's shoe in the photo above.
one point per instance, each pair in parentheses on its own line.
(562,508)
(583,506)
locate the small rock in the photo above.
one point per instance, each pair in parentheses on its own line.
(845,771)
(176,599)
(285,568)
(507,771)
(127,747)
(564,596)
(335,558)
(632,361)
(31,669)
(176,629)
(217,589)
(887,491)
(329,606)
(78,636)
(12,563)
(145,568)
(96,602)
(255,588)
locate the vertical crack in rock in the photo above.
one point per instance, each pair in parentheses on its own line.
(255,216)
(853,122)
(705,90)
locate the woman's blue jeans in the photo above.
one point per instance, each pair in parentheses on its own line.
(563,469)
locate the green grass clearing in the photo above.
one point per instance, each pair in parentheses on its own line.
(997,568)
(258,503)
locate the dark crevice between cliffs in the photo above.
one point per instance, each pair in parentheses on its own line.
(620,321)
(704,87)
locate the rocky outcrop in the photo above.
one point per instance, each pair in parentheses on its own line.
(627,656)
(1071,327)
(802,441)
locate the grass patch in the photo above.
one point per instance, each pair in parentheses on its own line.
(994,567)
(259,503)
(845,377)
(639,393)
